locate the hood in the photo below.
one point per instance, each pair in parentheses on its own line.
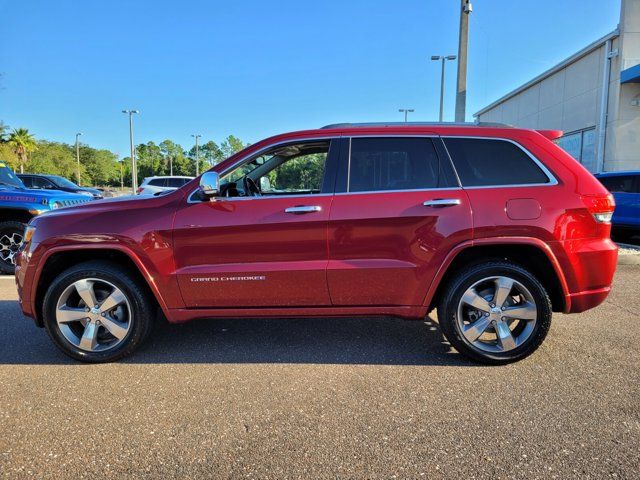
(39,194)
(114,204)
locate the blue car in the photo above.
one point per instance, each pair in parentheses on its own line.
(18,205)
(625,187)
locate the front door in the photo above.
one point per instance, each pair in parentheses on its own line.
(264,241)
(400,211)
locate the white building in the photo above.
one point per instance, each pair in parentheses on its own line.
(593,96)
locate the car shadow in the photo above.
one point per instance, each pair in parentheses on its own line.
(366,341)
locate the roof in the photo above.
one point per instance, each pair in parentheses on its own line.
(567,61)
(415,124)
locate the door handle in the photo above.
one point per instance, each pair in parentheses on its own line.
(299,209)
(442,202)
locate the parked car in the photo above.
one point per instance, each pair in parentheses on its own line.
(154,185)
(56,182)
(18,205)
(625,187)
(496,227)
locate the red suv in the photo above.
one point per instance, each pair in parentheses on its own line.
(496,227)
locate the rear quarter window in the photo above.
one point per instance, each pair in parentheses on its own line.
(157,182)
(488,162)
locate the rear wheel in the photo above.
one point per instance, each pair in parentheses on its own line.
(96,312)
(495,312)
(11,237)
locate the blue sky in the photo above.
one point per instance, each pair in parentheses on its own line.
(255,68)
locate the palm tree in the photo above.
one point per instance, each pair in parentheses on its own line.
(3,130)
(22,143)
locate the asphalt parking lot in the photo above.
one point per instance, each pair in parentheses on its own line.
(327,398)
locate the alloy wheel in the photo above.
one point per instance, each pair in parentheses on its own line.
(93,315)
(10,243)
(496,314)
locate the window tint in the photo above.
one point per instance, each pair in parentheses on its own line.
(392,164)
(483,162)
(622,183)
(175,182)
(157,182)
(28,181)
(39,182)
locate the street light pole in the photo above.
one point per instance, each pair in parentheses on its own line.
(78,154)
(461,90)
(197,136)
(443,58)
(406,112)
(134,168)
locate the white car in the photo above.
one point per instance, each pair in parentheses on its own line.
(153,185)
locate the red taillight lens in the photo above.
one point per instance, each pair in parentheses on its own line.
(600,206)
(139,190)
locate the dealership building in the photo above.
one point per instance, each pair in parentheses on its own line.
(593,97)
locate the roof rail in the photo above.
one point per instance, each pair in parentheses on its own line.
(417,124)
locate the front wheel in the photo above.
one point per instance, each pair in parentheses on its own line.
(11,237)
(96,312)
(495,312)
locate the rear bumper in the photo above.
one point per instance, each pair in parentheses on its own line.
(579,302)
(589,266)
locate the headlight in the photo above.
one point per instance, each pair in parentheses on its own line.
(28,233)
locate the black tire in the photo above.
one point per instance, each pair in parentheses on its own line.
(455,289)
(7,231)
(143,310)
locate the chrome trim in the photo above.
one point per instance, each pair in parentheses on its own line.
(263,197)
(400,191)
(442,202)
(303,209)
(552,179)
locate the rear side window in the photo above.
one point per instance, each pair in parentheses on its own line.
(484,162)
(622,183)
(392,164)
(175,182)
(157,182)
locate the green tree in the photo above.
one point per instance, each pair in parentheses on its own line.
(4,128)
(100,166)
(210,154)
(231,145)
(22,143)
(173,155)
(53,158)
(150,161)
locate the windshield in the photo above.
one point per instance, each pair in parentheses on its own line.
(7,177)
(62,182)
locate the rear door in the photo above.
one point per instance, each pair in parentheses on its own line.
(397,212)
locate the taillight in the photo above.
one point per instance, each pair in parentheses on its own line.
(600,206)
(139,190)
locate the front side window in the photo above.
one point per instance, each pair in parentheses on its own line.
(294,169)
(490,162)
(378,164)
(28,182)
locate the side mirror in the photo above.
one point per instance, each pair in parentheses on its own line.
(209,184)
